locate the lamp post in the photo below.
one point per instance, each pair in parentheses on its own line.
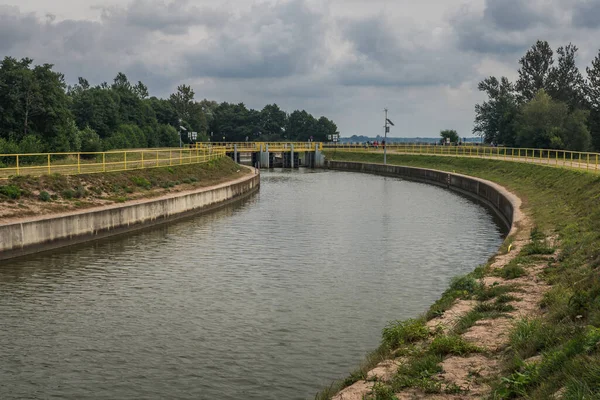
(181,128)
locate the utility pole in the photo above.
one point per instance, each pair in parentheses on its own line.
(386,130)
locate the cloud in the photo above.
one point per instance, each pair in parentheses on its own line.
(381,55)
(504,26)
(271,40)
(175,17)
(587,14)
(15,28)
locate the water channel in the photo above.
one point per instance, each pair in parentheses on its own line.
(272,298)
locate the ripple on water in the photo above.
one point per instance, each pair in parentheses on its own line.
(268,299)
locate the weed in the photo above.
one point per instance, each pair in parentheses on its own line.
(490,292)
(537,247)
(382,391)
(418,372)
(141,182)
(512,270)
(469,319)
(530,336)
(493,307)
(402,332)
(452,344)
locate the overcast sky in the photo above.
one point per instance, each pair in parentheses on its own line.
(345,59)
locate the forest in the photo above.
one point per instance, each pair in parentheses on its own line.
(39,112)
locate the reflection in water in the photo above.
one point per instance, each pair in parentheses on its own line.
(268,299)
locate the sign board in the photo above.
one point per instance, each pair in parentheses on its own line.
(193,135)
(329,137)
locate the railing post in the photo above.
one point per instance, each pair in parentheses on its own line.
(48,163)
(78,163)
(157,158)
(125,158)
(180,156)
(17,165)
(143,159)
(588,161)
(170,157)
(103,162)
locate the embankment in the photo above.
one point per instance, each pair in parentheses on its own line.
(31,235)
(526,324)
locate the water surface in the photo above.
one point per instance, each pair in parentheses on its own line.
(268,299)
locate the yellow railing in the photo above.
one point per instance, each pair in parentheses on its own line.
(109,161)
(556,158)
(257,146)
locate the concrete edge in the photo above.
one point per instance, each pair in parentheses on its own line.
(66,229)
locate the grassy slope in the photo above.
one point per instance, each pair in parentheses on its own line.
(24,195)
(564,203)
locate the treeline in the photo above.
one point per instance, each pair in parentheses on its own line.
(551,105)
(40,113)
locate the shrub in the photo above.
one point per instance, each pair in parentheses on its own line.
(11,191)
(68,194)
(44,196)
(80,192)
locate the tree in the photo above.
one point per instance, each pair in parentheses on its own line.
(272,122)
(301,126)
(182,101)
(449,134)
(565,82)
(33,101)
(325,130)
(535,70)
(593,74)
(546,123)
(494,119)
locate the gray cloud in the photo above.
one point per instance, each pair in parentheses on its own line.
(15,27)
(176,17)
(516,15)
(276,40)
(505,26)
(382,56)
(587,14)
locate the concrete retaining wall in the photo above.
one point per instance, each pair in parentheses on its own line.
(32,235)
(505,204)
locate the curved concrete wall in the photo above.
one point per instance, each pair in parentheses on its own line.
(32,235)
(505,204)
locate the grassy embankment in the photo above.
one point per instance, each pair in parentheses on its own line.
(564,333)
(26,195)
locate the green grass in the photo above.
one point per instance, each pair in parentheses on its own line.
(563,203)
(451,345)
(398,333)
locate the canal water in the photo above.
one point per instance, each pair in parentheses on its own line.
(272,298)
